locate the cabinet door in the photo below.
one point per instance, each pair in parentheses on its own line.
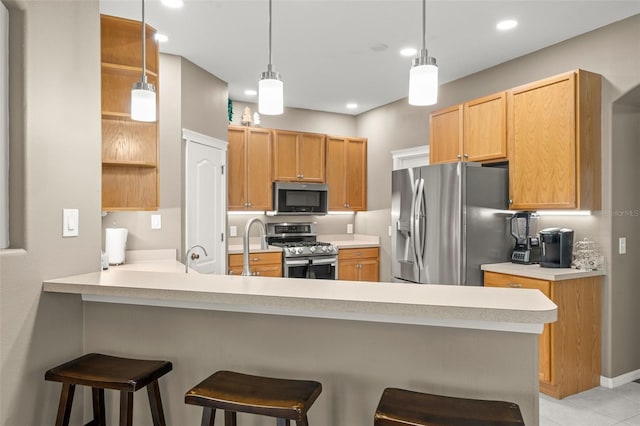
(337,172)
(542,144)
(369,270)
(236,178)
(258,169)
(445,135)
(285,155)
(311,157)
(347,270)
(492,279)
(485,128)
(356,174)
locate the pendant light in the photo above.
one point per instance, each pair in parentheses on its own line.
(270,86)
(143,93)
(423,77)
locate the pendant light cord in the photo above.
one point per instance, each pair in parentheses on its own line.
(269,66)
(144,47)
(424,25)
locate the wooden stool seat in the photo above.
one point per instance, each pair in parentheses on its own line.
(235,392)
(403,407)
(102,372)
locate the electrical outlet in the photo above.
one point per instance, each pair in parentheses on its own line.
(156,221)
(349,228)
(233,231)
(622,245)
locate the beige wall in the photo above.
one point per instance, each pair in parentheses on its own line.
(57,103)
(611,51)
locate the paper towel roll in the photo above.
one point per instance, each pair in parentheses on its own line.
(114,244)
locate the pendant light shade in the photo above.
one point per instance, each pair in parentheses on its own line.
(423,80)
(143,93)
(270,86)
(423,76)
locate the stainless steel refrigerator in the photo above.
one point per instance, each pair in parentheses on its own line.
(447,220)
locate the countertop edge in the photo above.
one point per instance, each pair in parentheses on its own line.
(538,272)
(135,288)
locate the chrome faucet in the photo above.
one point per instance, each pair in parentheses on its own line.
(194,256)
(245,243)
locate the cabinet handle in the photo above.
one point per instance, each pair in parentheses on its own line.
(466,155)
(514,285)
(250,204)
(459,156)
(510,201)
(255,259)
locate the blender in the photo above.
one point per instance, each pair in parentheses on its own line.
(524,228)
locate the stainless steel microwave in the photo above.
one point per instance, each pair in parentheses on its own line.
(295,198)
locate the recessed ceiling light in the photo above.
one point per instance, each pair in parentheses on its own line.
(250,92)
(161,38)
(507,24)
(352,105)
(409,51)
(173,3)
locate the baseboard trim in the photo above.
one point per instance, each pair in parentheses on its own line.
(619,380)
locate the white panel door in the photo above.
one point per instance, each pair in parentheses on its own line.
(206,202)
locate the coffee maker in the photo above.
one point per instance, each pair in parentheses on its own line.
(557,247)
(524,228)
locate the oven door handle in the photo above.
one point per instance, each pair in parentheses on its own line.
(298,262)
(328,261)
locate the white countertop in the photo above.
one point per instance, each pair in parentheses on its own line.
(515,310)
(162,260)
(537,271)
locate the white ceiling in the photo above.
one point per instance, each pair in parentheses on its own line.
(329,52)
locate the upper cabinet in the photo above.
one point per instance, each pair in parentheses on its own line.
(130,154)
(249,180)
(554,143)
(473,131)
(298,156)
(347,173)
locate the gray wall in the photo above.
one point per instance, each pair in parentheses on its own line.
(55,118)
(613,52)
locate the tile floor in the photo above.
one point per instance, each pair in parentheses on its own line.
(596,407)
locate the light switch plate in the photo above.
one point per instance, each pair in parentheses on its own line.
(156,221)
(622,245)
(70,222)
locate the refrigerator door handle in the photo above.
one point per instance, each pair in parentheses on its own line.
(418,245)
(412,227)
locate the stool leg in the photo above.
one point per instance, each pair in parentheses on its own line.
(126,408)
(283,422)
(156,404)
(230,418)
(302,422)
(64,407)
(99,418)
(208,416)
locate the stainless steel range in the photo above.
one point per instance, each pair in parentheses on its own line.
(302,255)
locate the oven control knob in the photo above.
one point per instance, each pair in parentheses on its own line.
(312,249)
(334,249)
(290,251)
(299,250)
(324,249)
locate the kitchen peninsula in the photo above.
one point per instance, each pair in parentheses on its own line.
(355,338)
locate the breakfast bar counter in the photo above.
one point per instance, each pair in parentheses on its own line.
(355,337)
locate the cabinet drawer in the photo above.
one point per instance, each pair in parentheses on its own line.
(256,259)
(493,279)
(261,271)
(358,253)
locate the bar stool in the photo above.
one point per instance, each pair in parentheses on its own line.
(233,392)
(109,372)
(403,407)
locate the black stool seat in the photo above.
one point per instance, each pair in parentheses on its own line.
(109,372)
(235,392)
(404,407)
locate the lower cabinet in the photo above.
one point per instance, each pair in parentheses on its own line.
(359,264)
(570,347)
(260,264)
